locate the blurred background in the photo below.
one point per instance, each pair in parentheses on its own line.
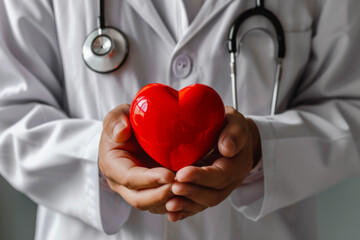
(17,214)
(338,211)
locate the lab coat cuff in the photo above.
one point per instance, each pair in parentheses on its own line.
(255,174)
(252,199)
(248,198)
(106,210)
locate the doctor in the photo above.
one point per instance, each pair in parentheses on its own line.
(58,117)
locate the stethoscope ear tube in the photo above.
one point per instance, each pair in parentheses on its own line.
(232,48)
(233,79)
(278,74)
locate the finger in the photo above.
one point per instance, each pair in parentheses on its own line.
(219,175)
(125,172)
(204,196)
(177,204)
(116,124)
(147,198)
(176,216)
(159,209)
(234,135)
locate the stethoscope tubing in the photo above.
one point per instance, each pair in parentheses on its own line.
(278,75)
(259,10)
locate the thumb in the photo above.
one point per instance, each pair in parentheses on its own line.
(117,125)
(234,135)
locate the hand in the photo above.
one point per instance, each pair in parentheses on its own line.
(126,166)
(198,188)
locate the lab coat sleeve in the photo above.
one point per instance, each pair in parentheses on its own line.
(314,144)
(44,153)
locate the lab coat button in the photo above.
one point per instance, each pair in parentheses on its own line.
(182,66)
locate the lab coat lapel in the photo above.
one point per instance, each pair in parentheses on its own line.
(147,11)
(207,12)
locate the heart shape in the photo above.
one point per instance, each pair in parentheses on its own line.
(177,128)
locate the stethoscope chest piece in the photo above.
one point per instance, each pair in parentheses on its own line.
(105,50)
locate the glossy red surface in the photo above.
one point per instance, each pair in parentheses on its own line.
(177,128)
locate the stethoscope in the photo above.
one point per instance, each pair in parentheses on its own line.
(232,48)
(105,49)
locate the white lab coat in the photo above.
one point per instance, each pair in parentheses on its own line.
(52,107)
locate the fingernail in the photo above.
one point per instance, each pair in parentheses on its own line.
(166,178)
(180,190)
(230,144)
(176,189)
(118,128)
(171,207)
(162,181)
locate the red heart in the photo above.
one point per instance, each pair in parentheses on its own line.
(176,128)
